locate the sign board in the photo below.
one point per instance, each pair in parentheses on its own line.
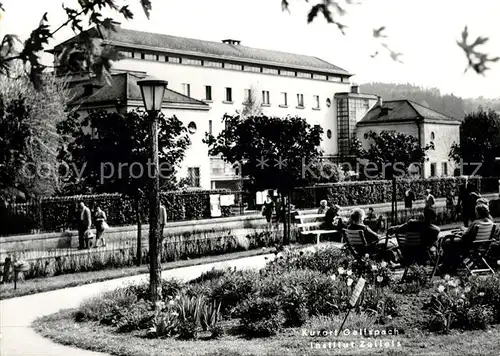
(357,291)
(227,200)
(215,205)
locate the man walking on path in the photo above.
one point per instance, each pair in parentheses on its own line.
(84,223)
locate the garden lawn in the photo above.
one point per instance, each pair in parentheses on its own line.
(39,285)
(62,328)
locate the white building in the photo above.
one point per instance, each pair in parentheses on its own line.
(209,79)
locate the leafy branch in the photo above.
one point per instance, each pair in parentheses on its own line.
(93,58)
(476,60)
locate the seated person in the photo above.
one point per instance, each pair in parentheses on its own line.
(482,219)
(424,225)
(374,222)
(332,219)
(484,201)
(357,218)
(323,207)
(494,206)
(371,214)
(456,246)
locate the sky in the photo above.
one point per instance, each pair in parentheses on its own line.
(424,31)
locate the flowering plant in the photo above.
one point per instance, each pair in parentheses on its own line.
(455,304)
(376,273)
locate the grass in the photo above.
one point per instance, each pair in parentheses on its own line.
(62,328)
(39,285)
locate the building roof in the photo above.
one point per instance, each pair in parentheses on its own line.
(122,90)
(404,111)
(195,47)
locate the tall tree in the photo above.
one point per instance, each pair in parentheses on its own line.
(479,143)
(273,152)
(30,141)
(390,153)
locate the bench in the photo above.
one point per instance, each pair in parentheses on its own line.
(310,224)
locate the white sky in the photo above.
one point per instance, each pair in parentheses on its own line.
(425,31)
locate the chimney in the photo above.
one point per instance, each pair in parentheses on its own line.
(380,101)
(355,89)
(231,42)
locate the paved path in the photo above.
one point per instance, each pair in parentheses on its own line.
(17,338)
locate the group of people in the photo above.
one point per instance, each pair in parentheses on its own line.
(85,235)
(471,205)
(84,223)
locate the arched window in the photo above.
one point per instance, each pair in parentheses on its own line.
(432,136)
(328,102)
(329,133)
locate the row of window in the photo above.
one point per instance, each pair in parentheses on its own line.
(249,97)
(233,66)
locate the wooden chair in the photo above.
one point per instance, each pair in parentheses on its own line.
(413,251)
(358,245)
(475,261)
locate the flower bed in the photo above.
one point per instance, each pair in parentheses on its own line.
(287,308)
(297,289)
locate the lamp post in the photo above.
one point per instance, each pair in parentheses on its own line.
(152,91)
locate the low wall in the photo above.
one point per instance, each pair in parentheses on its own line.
(69,239)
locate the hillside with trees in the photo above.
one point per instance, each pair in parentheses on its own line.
(450,105)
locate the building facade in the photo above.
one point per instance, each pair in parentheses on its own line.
(225,76)
(207,80)
(425,124)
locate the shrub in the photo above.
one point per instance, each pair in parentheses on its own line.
(233,288)
(260,317)
(209,275)
(108,307)
(417,278)
(137,316)
(169,289)
(209,318)
(384,305)
(326,260)
(380,191)
(189,310)
(294,306)
(187,330)
(166,323)
(467,306)
(486,291)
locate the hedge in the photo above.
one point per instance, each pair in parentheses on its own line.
(380,191)
(60,213)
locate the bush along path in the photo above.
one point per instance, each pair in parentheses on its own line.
(291,305)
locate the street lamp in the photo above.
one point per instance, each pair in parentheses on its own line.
(152,91)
